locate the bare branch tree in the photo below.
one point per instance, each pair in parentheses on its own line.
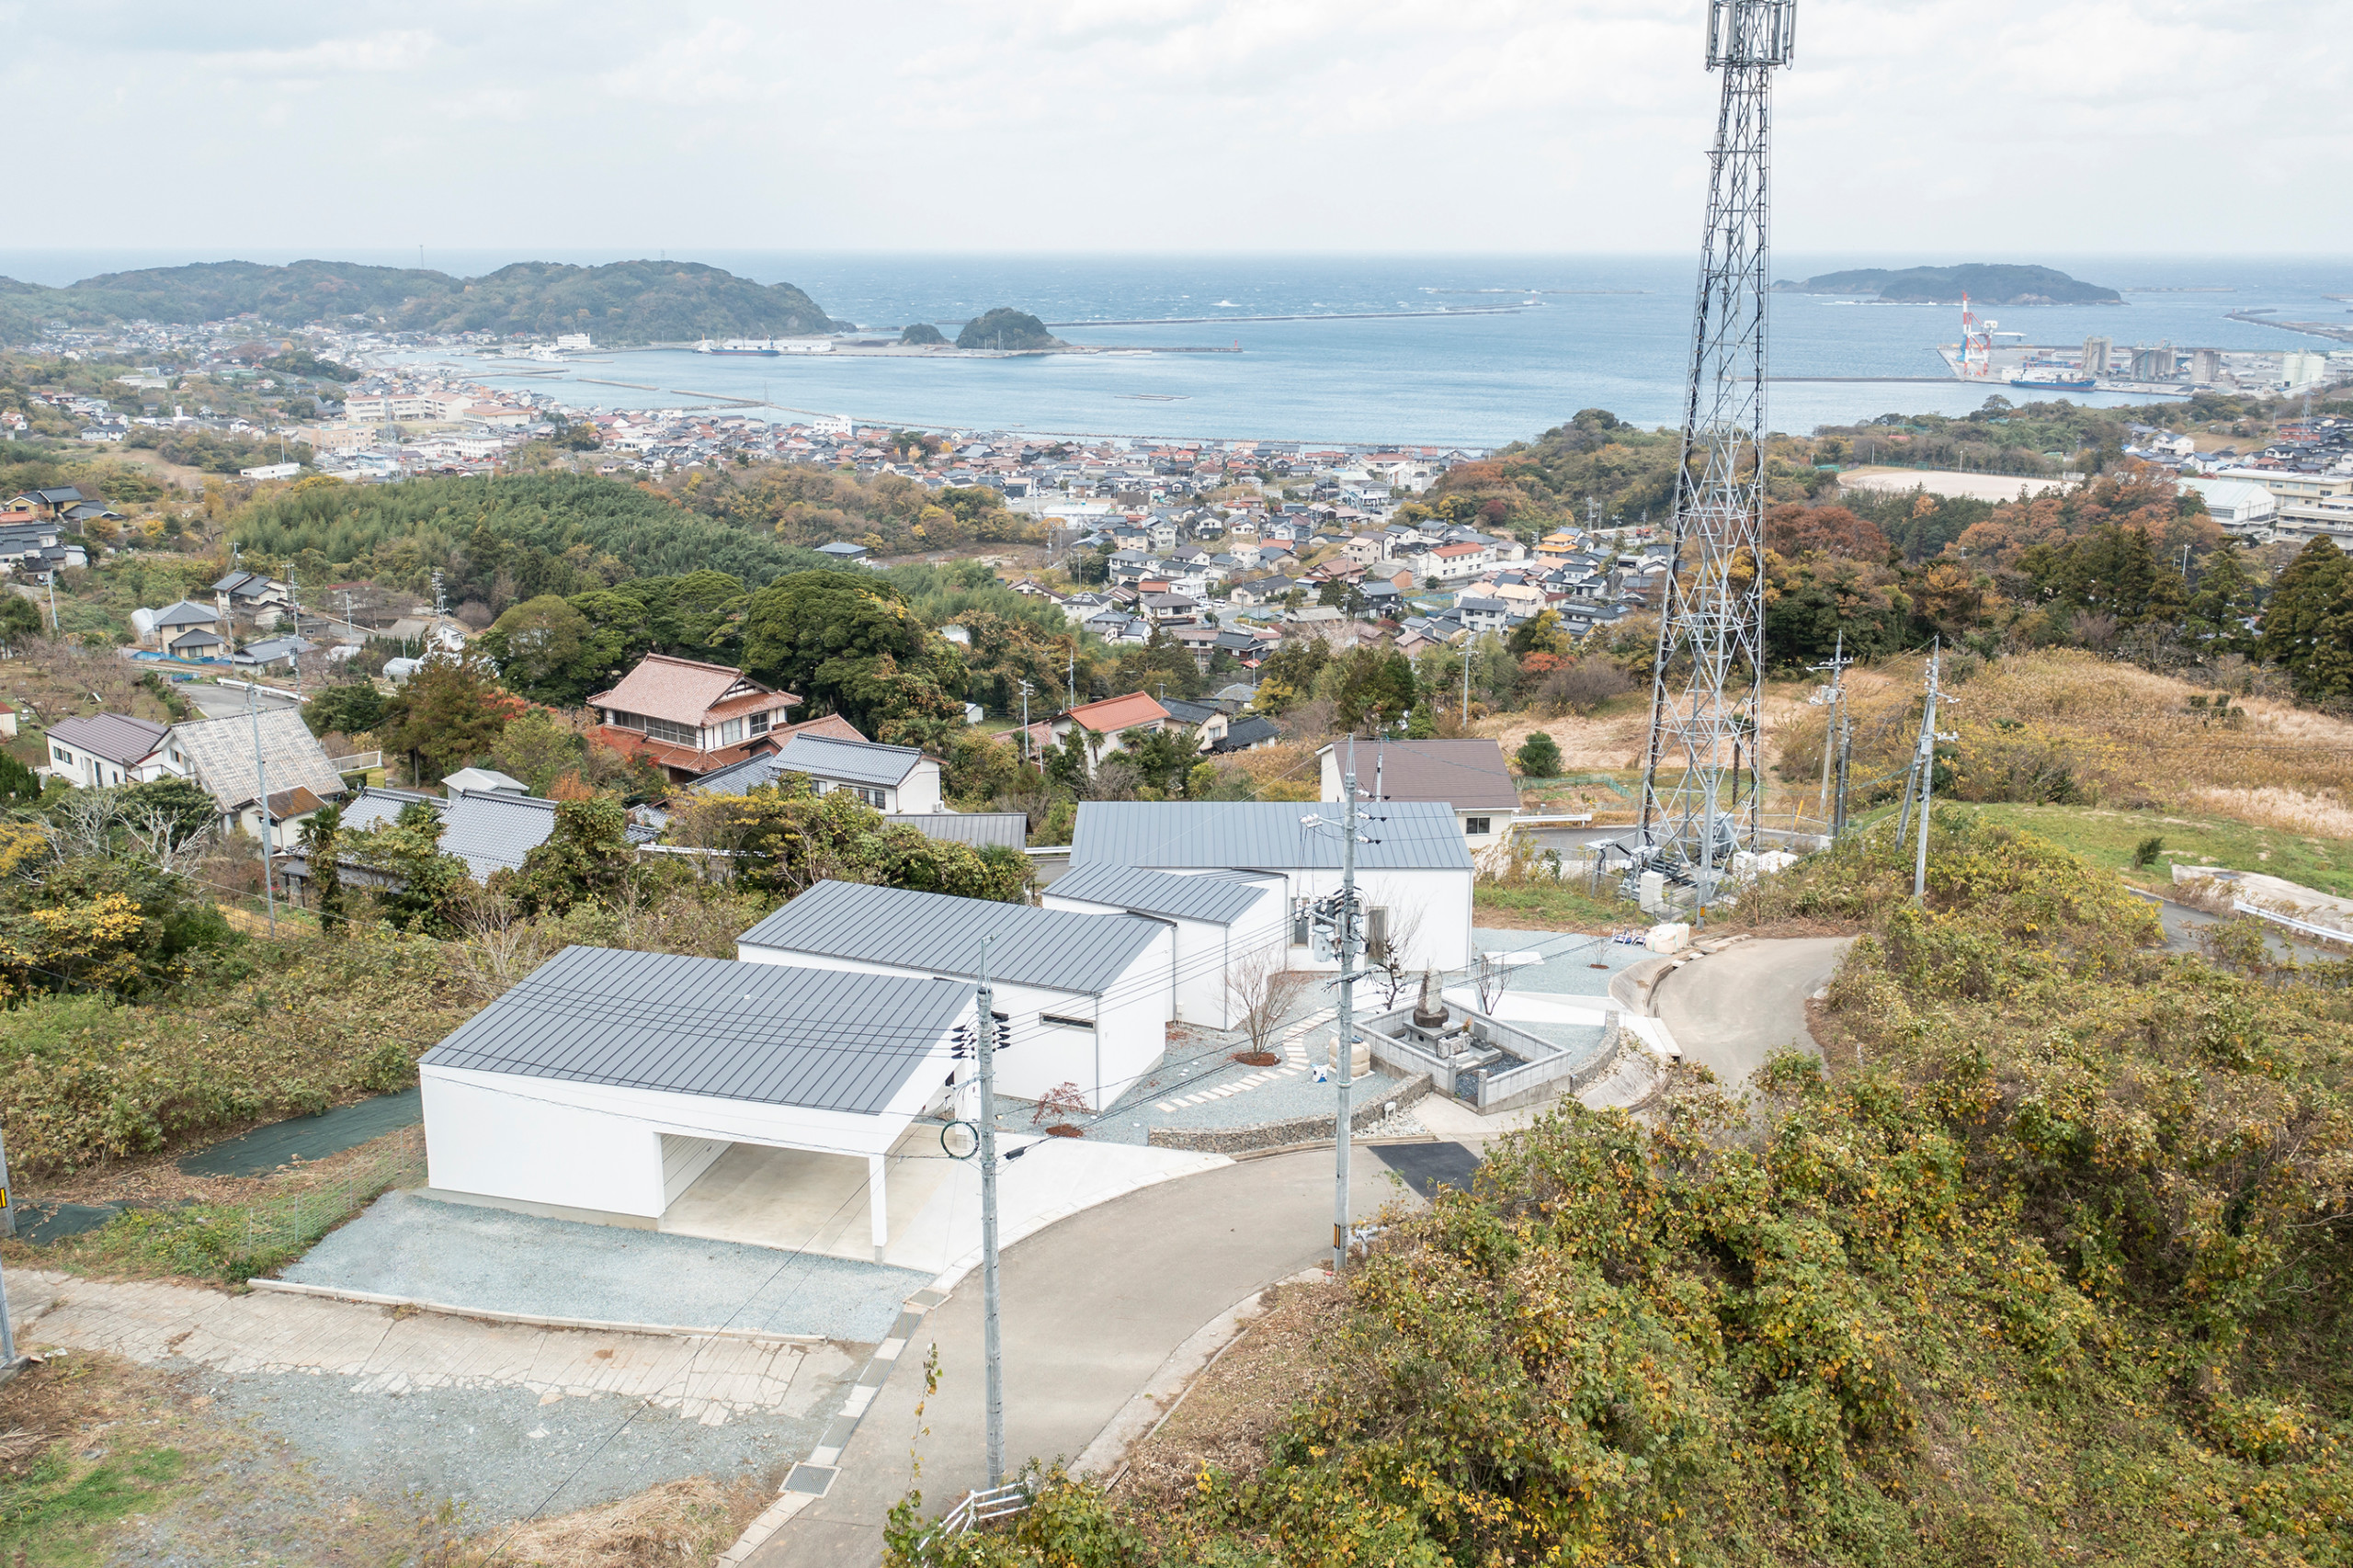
(170,839)
(1263,992)
(1393,973)
(83,823)
(500,945)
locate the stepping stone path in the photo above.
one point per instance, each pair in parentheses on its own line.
(1294,1050)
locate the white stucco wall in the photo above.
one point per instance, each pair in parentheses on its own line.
(601,1147)
(1442,897)
(1206,953)
(1128,1040)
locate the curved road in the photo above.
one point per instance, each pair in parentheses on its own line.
(1092,1305)
(1732,1009)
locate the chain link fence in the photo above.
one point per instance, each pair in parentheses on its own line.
(279,1227)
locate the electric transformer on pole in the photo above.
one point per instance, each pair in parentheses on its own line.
(1700,783)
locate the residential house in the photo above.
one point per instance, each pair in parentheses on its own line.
(182,616)
(1470,778)
(842,550)
(251,596)
(1083,999)
(898,780)
(1246,731)
(1414,876)
(690,717)
(1104,725)
(107,749)
(232,757)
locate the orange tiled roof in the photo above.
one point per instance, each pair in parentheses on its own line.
(683,691)
(1116,714)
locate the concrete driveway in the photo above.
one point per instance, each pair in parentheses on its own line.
(1732,1009)
(1092,1307)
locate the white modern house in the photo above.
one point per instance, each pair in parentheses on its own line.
(601,1086)
(1083,1000)
(1414,874)
(1220,924)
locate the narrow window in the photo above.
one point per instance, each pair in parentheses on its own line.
(761,722)
(731,732)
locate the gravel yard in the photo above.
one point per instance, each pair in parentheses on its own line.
(497,1455)
(463,1255)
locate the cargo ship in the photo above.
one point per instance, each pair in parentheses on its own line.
(764,350)
(2053,381)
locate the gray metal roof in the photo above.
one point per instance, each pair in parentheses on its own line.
(859,762)
(978,829)
(117,737)
(1057,949)
(1266,834)
(1212,899)
(221,751)
(767,1033)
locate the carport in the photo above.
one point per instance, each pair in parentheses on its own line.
(606,1084)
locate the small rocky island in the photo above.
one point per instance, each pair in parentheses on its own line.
(1985,284)
(1007,328)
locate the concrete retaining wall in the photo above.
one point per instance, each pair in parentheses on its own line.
(1297,1130)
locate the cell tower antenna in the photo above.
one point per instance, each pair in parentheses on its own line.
(1707,680)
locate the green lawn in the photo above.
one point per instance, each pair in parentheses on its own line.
(1564,906)
(2109,837)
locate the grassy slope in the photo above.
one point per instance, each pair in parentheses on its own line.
(2108,837)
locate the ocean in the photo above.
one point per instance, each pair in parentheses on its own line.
(1370,363)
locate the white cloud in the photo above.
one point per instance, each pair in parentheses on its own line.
(1921,127)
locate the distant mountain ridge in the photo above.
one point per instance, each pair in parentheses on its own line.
(624,302)
(1985,283)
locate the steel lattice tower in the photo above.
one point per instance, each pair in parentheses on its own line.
(1707,679)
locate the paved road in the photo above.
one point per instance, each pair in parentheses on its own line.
(218,702)
(1092,1307)
(1732,1009)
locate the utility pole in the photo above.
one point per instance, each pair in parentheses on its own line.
(1026,690)
(1830,728)
(294,605)
(1846,745)
(992,1346)
(1926,762)
(8,1228)
(1466,681)
(261,795)
(52,599)
(1343,1047)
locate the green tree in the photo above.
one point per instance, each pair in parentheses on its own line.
(542,647)
(425,883)
(539,749)
(587,859)
(2224,602)
(1538,756)
(2308,623)
(851,645)
(19,619)
(20,786)
(449,713)
(320,832)
(347,708)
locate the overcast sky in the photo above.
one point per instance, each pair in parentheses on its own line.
(2003,129)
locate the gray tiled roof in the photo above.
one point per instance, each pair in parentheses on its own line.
(1265,835)
(1213,899)
(491,830)
(221,751)
(374,807)
(1059,950)
(859,762)
(978,829)
(767,1033)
